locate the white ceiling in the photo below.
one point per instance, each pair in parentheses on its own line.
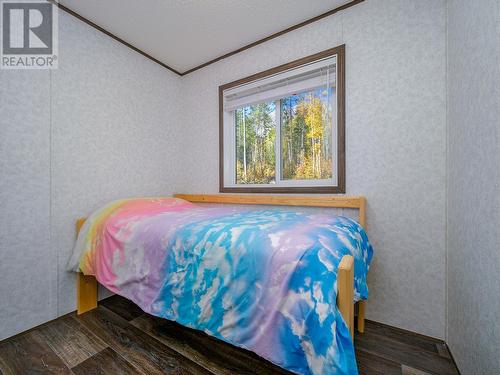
(186,33)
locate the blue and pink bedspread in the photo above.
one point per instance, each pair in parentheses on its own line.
(264,280)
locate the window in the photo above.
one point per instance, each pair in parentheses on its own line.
(282,130)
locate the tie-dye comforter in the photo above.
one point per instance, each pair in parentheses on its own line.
(264,280)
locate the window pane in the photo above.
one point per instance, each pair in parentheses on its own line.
(255,144)
(306,135)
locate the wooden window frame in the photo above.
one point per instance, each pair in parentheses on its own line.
(339,51)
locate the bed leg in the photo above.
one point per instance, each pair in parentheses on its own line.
(86,286)
(86,293)
(361,316)
(345,291)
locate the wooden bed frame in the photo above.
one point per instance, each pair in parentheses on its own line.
(86,286)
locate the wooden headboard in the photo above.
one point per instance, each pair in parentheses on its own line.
(356,202)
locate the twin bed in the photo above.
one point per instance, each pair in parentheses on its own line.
(280,283)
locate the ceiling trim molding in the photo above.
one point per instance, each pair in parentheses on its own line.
(110,34)
(275,35)
(241,49)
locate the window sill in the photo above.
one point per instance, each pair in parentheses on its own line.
(286,190)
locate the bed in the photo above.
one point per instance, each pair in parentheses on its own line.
(282,284)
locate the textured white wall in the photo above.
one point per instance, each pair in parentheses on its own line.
(109,124)
(396,141)
(474,185)
(103,126)
(115,130)
(26,280)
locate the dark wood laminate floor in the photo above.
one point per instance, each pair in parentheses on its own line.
(118,338)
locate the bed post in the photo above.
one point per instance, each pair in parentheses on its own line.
(362,304)
(345,291)
(86,286)
(361,316)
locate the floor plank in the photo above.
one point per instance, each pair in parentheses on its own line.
(123,340)
(122,306)
(371,364)
(406,370)
(410,338)
(138,348)
(29,354)
(403,353)
(443,350)
(72,342)
(215,355)
(106,362)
